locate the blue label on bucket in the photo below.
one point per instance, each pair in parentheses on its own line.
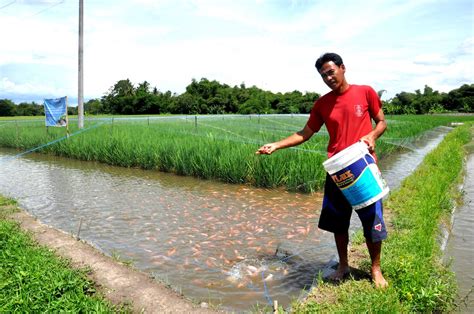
(363,188)
(348,175)
(357,182)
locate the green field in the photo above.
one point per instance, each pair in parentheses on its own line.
(208,147)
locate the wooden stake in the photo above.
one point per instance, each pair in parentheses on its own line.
(67,121)
(275,306)
(79,229)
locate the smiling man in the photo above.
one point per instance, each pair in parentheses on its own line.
(347,112)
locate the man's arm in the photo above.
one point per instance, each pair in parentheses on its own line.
(292,140)
(380,127)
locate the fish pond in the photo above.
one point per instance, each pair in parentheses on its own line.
(232,245)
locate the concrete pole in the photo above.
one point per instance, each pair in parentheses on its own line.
(80,94)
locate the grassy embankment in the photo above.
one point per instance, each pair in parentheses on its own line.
(219,148)
(34,280)
(411,260)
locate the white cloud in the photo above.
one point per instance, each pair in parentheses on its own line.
(28,39)
(36,88)
(270,44)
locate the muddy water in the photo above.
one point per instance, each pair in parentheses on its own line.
(397,167)
(459,247)
(211,241)
(226,244)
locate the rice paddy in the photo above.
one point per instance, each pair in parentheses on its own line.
(220,147)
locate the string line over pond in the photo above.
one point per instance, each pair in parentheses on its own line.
(65,137)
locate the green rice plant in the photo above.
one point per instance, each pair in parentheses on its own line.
(208,147)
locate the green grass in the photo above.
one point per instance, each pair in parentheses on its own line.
(411,259)
(209,147)
(34,280)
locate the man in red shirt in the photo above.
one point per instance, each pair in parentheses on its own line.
(347,111)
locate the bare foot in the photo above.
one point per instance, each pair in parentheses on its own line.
(339,274)
(378,279)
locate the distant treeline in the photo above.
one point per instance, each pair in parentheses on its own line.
(212,97)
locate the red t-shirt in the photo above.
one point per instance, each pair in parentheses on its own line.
(347,117)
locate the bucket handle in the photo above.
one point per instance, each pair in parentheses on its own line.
(366,161)
(365,155)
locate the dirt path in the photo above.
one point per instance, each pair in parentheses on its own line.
(119,283)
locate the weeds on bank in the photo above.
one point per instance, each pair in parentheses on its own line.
(7,207)
(411,258)
(34,280)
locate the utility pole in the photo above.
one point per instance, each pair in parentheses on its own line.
(80,94)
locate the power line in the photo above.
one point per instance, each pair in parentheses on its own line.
(8,4)
(46,9)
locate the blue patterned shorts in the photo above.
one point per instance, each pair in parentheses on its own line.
(336,214)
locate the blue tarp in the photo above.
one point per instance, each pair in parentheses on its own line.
(55,112)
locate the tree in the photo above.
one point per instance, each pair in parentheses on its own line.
(307,102)
(120,98)
(164,102)
(460,99)
(93,106)
(257,103)
(6,108)
(211,96)
(184,104)
(144,100)
(403,102)
(28,109)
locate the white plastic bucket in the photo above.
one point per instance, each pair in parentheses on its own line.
(357,176)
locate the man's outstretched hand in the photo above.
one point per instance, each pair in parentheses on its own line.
(266,149)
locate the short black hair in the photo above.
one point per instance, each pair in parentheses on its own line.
(328,56)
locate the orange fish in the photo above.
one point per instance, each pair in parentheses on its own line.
(209,263)
(171,251)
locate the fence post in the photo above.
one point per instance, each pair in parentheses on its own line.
(17,132)
(79,229)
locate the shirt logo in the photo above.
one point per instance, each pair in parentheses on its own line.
(359,112)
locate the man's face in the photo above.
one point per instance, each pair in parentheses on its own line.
(333,75)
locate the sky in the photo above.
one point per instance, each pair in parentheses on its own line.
(391,45)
